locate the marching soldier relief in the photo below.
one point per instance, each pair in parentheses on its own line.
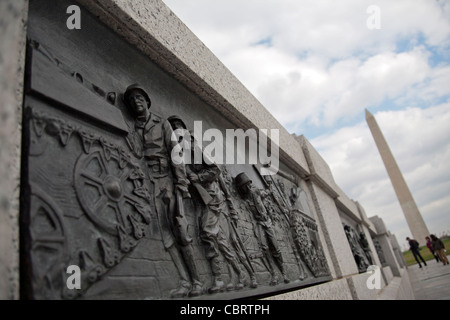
(102,191)
(360,248)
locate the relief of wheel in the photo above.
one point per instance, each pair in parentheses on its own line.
(106,191)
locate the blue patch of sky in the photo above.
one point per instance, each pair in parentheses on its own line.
(311,131)
(438,54)
(264,42)
(409,42)
(402,102)
(302,55)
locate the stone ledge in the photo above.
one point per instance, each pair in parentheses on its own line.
(353,288)
(358,286)
(335,290)
(391,290)
(398,289)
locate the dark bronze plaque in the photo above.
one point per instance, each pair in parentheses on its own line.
(101,190)
(360,248)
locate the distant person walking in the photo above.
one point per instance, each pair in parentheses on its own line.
(414,247)
(430,247)
(439,248)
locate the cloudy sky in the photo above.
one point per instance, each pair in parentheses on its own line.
(317,65)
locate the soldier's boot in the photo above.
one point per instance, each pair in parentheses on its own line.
(253,282)
(197,289)
(285,276)
(241,278)
(218,285)
(282,268)
(182,291)
(240,284)
(273,275)
(273,279)
(302,272)
(284,273)
(241,281)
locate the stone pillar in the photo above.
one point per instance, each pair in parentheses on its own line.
(397,250)
(13,17)
(383,237)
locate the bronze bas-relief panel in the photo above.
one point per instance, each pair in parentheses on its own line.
(101,192)
(360,248)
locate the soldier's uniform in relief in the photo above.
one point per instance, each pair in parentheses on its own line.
(156,134)
(265,229)
(211,232)
(170,186)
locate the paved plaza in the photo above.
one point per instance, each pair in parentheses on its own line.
(431,282)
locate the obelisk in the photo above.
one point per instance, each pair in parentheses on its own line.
(412,214)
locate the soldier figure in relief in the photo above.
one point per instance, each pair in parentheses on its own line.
(355,246)
(205,178)
(268,241)
(171,186)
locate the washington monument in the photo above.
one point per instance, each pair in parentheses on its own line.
(413,217)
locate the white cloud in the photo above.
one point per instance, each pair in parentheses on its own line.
(316,64)
(308,91)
